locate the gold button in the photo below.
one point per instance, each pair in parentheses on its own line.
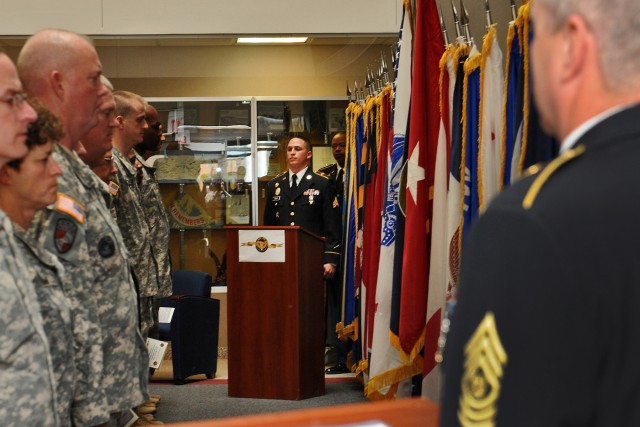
(293,223)
(292,213)
(293,203)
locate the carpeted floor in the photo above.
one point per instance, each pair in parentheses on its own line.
(200,398)
(203,400)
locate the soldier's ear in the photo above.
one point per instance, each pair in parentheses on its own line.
(56,79)
(5,176)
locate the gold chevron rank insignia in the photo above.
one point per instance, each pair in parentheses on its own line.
(484,363)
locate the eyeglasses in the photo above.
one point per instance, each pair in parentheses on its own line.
(14,100)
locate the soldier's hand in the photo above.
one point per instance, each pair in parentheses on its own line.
(329,270)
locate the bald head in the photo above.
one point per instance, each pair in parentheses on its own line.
(62,70)
(153,135)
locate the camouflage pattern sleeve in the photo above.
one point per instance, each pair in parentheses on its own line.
(27,394)
(133,225)
(159,228)
(83,235)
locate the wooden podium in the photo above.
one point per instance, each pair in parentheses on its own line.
(275,314)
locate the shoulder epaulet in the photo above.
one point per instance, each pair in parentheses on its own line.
(283,173)
(546,173)
(321,175)
(325,168)
(533,169)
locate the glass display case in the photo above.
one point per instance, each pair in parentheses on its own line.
(218,155)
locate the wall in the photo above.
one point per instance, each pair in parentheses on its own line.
(213,65)
(239,70)
(126,17)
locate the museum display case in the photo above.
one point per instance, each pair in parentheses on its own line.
(217,157)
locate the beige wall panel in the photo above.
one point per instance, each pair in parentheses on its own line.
(126,17)
(25,17)
(251,16)
(238,71)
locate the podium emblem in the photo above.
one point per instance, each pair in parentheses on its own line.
(262,244)
(258,246)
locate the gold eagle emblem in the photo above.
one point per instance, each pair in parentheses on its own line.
(262,244)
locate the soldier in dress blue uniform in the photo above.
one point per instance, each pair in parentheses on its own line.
(335,173)
(546,331)
(302,197)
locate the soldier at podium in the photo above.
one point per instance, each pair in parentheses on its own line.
(301,197)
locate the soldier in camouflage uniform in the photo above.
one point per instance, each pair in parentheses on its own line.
(127,202)
(154,210)
(27,394)
(97,143)
(20,199)
(79,229)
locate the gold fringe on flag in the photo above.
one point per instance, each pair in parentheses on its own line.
(448,52)
(392,377)
(525,9)
(489,40)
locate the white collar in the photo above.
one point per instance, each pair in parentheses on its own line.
(578,132)
(300,174)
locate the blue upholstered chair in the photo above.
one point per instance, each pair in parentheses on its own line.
(193,330)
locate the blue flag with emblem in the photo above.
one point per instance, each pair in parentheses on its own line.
(470,133)
(512,102)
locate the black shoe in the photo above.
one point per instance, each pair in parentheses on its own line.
(340,368)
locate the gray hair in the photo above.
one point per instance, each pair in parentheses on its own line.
(616,25)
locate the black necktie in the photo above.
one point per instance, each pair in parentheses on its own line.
(294,181)
(339,182)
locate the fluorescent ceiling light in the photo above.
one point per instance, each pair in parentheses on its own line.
(272,40)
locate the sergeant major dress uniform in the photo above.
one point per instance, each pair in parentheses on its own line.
(80,230)
(311,205)
(331,172)
(335,284)
(546,331)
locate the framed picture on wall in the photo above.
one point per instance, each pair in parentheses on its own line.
(321,156)
(336,119)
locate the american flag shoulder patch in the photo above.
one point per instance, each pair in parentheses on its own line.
(113,188)
(71,207)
